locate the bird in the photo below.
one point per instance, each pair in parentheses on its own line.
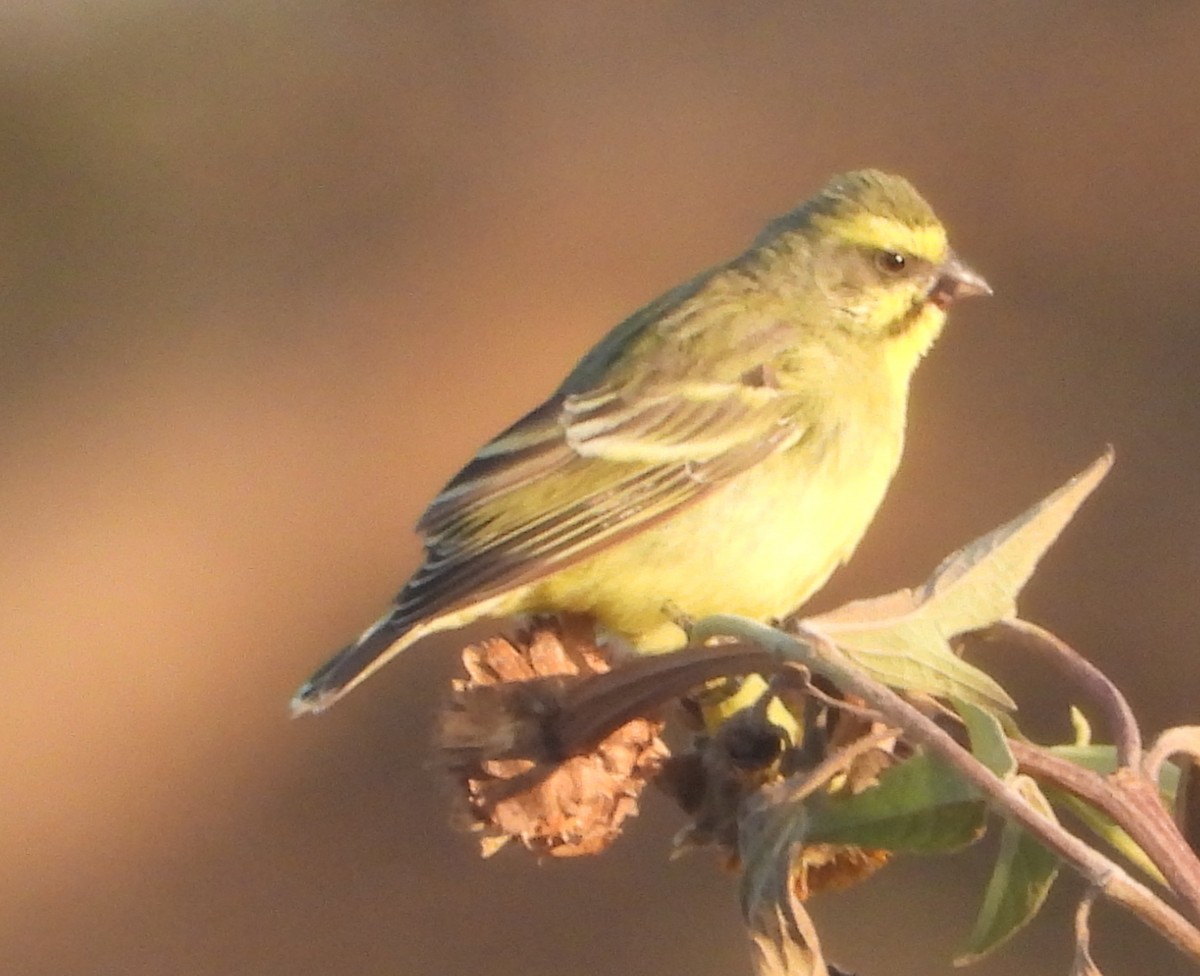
(722,450)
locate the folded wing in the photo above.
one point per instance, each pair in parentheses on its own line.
(581,473)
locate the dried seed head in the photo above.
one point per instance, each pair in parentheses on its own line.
(499,741)
(730,773)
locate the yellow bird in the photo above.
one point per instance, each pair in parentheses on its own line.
(722,450)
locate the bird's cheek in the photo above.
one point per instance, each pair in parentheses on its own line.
(891,312)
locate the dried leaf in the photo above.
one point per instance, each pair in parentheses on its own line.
(903,639)
(783,939)
(1083,964)
(1024,873)
(834,867)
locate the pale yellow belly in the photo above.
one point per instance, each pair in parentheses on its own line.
(758,546)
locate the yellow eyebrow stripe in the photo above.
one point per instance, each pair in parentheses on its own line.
(926,241)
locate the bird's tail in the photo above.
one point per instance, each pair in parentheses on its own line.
(377,645)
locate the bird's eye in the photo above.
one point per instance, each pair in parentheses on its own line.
(890,262)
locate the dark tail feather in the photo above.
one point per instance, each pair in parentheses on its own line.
(349,666)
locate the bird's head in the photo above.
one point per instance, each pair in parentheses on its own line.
(876,258)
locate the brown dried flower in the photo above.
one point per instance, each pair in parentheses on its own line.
(510,736)
(499,737)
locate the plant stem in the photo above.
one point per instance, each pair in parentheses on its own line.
(819,654)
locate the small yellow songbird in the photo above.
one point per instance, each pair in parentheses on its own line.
(720,451)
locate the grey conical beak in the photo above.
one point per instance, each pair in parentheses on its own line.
(956,280)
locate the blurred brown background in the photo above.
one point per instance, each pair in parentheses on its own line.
(270,274)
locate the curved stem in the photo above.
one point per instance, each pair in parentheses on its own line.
(1083,675)
(1133,804)
(1183,740)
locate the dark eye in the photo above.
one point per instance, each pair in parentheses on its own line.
(890,262)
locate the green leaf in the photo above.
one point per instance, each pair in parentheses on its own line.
(912,658)
(1106,829)
(920,806)
(989,744)
(1024,873)
(903,639)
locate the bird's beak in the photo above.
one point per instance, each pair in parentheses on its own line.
(955,281)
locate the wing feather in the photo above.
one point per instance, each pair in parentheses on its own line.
(619,463)
(689,422)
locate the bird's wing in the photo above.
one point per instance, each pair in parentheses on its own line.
(581,473)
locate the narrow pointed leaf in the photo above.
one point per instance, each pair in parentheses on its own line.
(1106,829)
(1102,759)
(1023,876)
(989,744)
